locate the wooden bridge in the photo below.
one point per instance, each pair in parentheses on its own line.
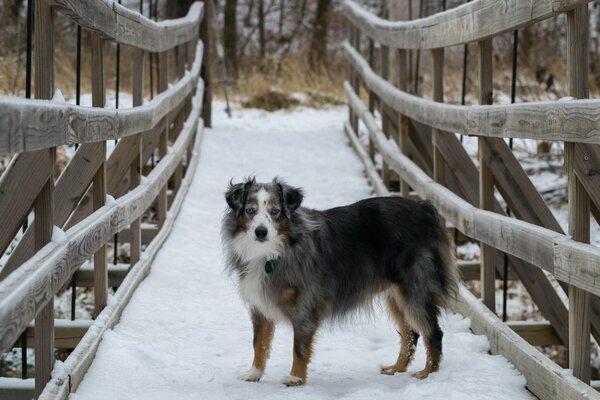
(97,197)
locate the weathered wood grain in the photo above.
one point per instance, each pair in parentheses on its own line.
(115,22)
(544,248)
(32,124)
(568,120)
(76,365)
(545,379)
(44,218)
(67,333)
(19,186)
(579,201)
(470,22)
(30,287)
(486,179)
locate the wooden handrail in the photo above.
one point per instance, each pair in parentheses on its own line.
(30,287)
(570,261)
(30,124)
(568,120)
(470,22)
(113,21)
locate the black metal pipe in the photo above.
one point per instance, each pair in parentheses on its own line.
(73,295)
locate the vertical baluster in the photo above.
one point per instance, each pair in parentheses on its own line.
(206,37)
(404,123)
(385,120)
(486,180)
(99,182)
(136,165)
(164,136)
(579,202)
(44,218)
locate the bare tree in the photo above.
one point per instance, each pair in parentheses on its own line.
(230,36)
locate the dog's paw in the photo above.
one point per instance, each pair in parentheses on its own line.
(253,375)
(391,369)
(291,380)
(421,374)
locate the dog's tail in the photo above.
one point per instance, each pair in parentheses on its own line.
(446,260)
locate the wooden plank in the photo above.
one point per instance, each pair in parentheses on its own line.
(571,120)
(19,186)
(135,169)
(44,219)
(17,389)
(30,287)
(70,186)
(545,379)
(99,182)
(116,274)
(163,82)
(486,180)
(474,21)
(536,333)
(579,202)
(112,21)
(67,333)
(68,379)
(206,33)
(33,124)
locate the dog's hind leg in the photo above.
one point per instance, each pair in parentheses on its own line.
(428,325)
(408,342)
(304,334)
(263,336)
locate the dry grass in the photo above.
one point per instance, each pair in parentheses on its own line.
(272,85)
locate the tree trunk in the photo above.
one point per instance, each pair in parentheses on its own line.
(177,8)
(261,28)
(230,37)
(318,47)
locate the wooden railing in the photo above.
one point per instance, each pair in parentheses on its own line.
(95,197)
(416,140)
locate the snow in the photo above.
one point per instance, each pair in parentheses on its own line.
(187,335)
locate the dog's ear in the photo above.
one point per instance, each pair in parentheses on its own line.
(236,193)
(291,197)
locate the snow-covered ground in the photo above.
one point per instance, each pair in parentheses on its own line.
(187,335)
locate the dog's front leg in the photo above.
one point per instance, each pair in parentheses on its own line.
(304,333)
(263,335)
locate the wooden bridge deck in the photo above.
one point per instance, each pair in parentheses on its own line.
(186,334)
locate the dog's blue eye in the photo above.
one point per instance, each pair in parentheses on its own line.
(249,210)
(274,210)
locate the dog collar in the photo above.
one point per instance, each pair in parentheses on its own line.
(268,266)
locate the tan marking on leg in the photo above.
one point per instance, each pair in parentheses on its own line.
(407,348)
(299,371)
(262,345)
(432,363)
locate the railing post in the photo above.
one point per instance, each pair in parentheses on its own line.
(206,37)
(579,202)
(135,246)
(486,180)
(99,182)
(163,142)
(372,96)
(44,215)
(404,123)
(385,120)
(438,95)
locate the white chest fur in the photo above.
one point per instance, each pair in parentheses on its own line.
(254,291)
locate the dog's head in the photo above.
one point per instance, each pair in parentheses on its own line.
(258,217)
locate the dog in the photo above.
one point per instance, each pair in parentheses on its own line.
(304,267)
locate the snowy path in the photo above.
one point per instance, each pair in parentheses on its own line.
(187,335)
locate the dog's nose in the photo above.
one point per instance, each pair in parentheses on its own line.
(261,232)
